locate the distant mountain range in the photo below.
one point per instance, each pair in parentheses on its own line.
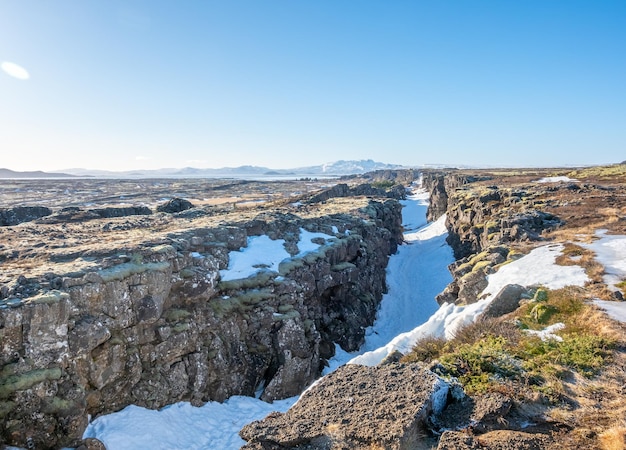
(337,168)
(7,173)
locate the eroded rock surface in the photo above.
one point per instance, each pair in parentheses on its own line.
(387,406)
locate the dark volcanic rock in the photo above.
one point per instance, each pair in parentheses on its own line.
(175,205)
(107,213)
(355,407)
(156,323)
(505,301)
(19,214)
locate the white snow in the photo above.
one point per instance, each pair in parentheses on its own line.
(536,268)
(556,180)
(616,310)
(547,333)
(261,253)
(306,244)
(415,275)
(610,251)
(182,426)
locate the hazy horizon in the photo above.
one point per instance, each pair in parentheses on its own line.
(153,84)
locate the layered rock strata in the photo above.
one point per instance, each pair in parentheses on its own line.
(158,325)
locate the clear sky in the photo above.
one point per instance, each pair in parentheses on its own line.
(112,84)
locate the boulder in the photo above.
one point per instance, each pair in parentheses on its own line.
(506,301)
(388,406)
(175,205)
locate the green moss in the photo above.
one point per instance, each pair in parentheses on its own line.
(621,286)
(585,353)
(57,405)
(188,272)
(478,257)
(600,171)
(176,315)
(492,226)
(288,266)
(6,408)
(125,270)
(481,265)
(541,295)
(384,184)
(180,327)
(285,308)
(342,266)
(261,278)
(164,249)
(490,353)
(240,304)
(541,313)
(288,315)
(20,382)
(48,297)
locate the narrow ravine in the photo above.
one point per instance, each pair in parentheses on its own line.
(415,274)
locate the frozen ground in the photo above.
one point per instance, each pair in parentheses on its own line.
(415,275)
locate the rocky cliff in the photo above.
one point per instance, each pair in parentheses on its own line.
(154,323)
(484,220)
(412,401)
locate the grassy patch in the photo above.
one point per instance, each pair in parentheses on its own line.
(491,354)
(383,184)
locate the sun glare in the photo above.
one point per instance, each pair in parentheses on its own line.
(14,70)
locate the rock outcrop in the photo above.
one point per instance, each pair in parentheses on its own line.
(388,406)
(157,324)
(483,222)
(20,214)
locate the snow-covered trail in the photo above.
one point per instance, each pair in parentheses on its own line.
(416,273)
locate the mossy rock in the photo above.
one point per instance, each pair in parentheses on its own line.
(125,270)
(541,313)
(541,295)
(6,408)
(20,382)
(286,316)
(261,278)
(342,266)
(49,297)
(176,315)
(180,327)
(481,265)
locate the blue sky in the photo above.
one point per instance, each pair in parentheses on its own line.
(149,84)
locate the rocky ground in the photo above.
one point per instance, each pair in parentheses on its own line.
(106,302)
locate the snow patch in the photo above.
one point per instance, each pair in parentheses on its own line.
(261,253)
(547,334)
(615,310)
(557,180)
(610,251)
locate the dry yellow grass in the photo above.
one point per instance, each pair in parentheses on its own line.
(613,439)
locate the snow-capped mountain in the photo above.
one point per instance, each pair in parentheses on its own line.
(337,168)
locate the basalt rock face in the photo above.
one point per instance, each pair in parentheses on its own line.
(160,325)
(440,186)
(396,191)
(483,221)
